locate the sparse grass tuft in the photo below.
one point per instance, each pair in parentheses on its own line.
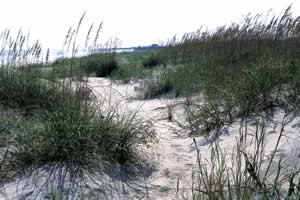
(157,86)
(245,173)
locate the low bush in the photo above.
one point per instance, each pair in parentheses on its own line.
(151,61)
(106,69)
(101,64)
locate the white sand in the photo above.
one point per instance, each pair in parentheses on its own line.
(174,155)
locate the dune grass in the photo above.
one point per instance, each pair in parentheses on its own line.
(250,171)
(243,68)
(131,66)
(240,72)
(53,124)
(101,64)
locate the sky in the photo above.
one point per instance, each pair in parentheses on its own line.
(134,22)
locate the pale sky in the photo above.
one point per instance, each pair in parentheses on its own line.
(134,22)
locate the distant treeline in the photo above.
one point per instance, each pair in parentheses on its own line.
(139,48)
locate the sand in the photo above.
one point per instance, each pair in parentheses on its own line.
(172,160)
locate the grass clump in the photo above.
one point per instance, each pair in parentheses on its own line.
(63,68)
(58,127)
(131,67)
(175,80)
(69,128)
(101,64)
(75,136)
(24,89)
(151,61)
(157,86)
(241,69)
(129,72)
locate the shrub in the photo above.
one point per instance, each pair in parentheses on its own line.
(101,64)
(151,61)
(105,69)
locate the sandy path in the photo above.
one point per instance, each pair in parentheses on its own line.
(174,155)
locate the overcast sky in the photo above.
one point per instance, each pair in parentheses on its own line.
(134,22)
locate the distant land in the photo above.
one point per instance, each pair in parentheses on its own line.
(58,54)
(139,48)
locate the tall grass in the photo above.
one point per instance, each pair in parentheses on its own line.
(228,52)
(251,171)
(242,68)
(132,65)
(59,128)
(240,72)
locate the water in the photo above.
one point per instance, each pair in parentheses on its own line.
(55,54)
(21,58)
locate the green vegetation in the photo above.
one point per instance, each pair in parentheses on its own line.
(249,171)
(50,122)
(131,66)
(158,85)
(241,69)
(151,61)
(123,66)
(99,64)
